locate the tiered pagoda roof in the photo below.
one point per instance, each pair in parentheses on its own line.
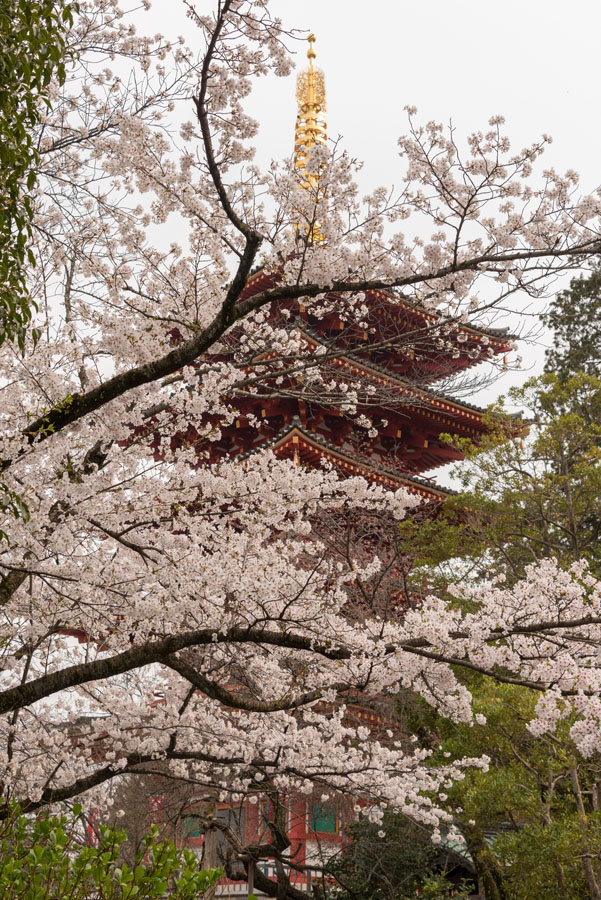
(288,415)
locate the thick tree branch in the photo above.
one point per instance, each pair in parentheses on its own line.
(238,701)
(152,652)
(160,651)
(77,406)
(11,583)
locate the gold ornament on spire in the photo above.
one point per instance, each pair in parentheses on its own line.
(311,126)
(311,129)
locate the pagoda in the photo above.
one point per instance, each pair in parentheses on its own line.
(391,434)
(398,427)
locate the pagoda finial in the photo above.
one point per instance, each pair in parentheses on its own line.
(311,98)
(311,126)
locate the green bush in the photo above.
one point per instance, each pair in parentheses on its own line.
(51,857)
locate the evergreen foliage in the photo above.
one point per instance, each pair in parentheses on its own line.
(533,819)
(393,860)
(525,497)
(575,317)
(33,40)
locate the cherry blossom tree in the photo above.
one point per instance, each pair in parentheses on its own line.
(158,612)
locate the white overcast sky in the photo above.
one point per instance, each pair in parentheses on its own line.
(536,62)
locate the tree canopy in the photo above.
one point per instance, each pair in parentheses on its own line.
(532,820)
(164,610)
(531,488)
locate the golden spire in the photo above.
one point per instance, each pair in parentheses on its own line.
(311,99)
(310,129)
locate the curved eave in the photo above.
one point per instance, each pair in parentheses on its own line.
(296,442)
(498,337)
(424,398)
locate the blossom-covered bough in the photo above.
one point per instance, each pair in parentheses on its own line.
(154,610)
